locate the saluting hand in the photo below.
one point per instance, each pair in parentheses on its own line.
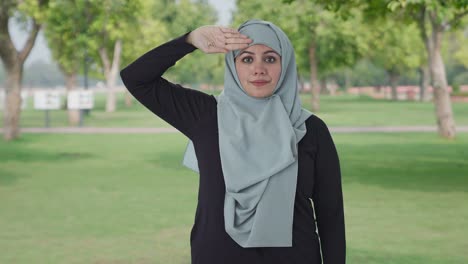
(216,39)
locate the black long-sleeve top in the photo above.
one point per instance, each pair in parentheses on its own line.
(194,113)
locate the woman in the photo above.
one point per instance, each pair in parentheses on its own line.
(262,159)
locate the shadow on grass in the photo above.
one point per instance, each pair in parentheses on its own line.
(168,160)
(378,257)
(421,167)
(23,154)
(7,177)
(20,153)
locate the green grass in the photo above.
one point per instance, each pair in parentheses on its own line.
(351,110)
(127,199)
(343,110)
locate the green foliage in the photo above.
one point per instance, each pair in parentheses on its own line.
(78,28)
(460,79)
(366,73)
(65,32)
(447,13)
(112,20)
(35,9)
(339,43)
(181,17)
(2,73)
(145,32)
(395,46)
(461,39)
(24,12)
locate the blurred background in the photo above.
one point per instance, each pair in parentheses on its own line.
(102,181)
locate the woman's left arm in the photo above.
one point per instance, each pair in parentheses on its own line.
(328,198)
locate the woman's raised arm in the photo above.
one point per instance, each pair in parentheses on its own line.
(179,106)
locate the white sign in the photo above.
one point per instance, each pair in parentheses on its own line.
(83,99)
(24,99)
(47,100)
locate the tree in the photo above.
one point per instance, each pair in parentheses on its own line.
(434,18)
(395,47)
(441,16)
(111,26)
(65,32)
(184,16)
(147,32)
(31,12)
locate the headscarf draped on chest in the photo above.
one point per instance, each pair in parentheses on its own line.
(258,139)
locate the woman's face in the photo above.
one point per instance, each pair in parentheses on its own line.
(258,68)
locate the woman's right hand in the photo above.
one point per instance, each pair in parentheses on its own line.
(216,39)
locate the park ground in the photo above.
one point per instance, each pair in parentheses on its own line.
(126,198)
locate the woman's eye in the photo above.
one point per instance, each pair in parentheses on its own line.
(270,59)
(247,59)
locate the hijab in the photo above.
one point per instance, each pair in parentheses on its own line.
(258,139)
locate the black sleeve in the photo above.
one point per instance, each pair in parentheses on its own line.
(328,198)
(179,106)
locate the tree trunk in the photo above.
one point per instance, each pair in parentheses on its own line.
(424,81)
(443,105)
(13,61)
(111,71)
(323,86)
(73,114)
(393,79)
(300,81)
(12,112)
(314,83)
(347,79)
(111,100)
(128,99)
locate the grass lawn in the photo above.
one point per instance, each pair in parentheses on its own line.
(344,110)
(127,199)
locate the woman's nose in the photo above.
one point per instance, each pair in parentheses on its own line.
(259,68)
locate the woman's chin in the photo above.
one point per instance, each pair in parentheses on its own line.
(259,93)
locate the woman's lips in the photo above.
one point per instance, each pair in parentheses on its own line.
(259,83)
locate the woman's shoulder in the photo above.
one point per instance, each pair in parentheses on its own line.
(315,123)
(316,129)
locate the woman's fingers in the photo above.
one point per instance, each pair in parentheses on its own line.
(238,41)
(236,46)
(235,35)
(228,30)
(215,39)
(235,40)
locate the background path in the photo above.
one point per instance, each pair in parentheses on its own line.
(142,130)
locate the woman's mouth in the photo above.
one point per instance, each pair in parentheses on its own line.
(259,82)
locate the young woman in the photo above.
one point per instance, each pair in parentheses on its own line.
(270,181)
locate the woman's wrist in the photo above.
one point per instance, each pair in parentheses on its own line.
(188,38)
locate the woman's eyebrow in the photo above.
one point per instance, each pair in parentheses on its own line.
(252,53)
(271,51)
(246,51)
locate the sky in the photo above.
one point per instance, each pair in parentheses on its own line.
(41,52)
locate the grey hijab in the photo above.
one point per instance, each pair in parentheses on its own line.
(258,140)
